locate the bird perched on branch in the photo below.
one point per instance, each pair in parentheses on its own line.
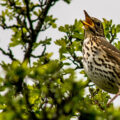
(101,59)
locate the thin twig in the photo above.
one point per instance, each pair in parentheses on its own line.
(74,59)
(9,54)
(42,54)
(112,36)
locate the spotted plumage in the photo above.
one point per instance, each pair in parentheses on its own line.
(101,60)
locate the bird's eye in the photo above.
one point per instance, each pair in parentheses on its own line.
(98,24)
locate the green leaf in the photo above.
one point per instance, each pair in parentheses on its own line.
(118,28)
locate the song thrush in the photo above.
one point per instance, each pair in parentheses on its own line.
(101,60)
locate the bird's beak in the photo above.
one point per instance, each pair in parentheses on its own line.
(88,21)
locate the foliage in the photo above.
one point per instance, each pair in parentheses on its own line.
(57,89)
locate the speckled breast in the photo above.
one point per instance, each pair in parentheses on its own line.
(98,67)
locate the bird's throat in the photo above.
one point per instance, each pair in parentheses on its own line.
(89,34)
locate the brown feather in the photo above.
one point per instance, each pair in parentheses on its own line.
(110,50)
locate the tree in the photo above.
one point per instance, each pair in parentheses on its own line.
(57,91)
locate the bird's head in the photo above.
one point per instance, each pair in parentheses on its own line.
(93,26)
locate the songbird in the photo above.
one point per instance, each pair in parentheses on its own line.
(101,60)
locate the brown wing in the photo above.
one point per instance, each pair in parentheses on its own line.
(111,50)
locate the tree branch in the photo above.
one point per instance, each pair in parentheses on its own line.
(38,28)
(76,61)
(28,16)
(29,106)
(113,38)
(44,13)
(43,53)
(9,54)
(112,35)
